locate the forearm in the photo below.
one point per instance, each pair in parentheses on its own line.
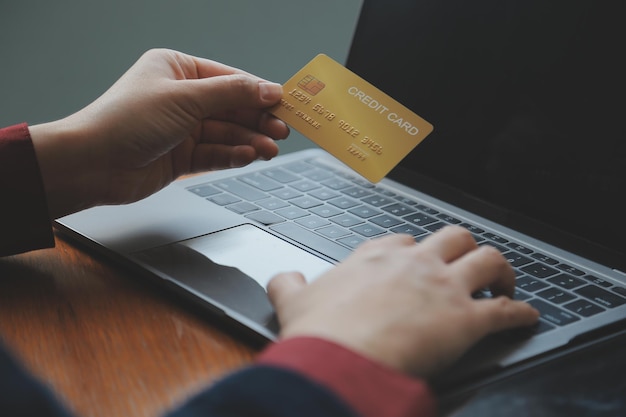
(67,166)
(24,216)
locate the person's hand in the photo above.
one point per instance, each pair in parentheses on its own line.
(404,304)
(170,114)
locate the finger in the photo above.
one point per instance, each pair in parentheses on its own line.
(384,244)
(449,243)
(227,92)
(502,313)
(255,119)
(283,287)
(206,68)
(207,157)
(273,127)
(252,119)
(187,66)
(226,133)
(485,267)
(399,239)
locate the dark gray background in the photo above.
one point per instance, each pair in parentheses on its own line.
(56,57)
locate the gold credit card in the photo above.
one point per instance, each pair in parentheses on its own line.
(350,118)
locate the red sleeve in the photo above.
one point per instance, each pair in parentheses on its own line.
(24,220)
(372,389)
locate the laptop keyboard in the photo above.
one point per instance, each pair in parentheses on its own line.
(333,212)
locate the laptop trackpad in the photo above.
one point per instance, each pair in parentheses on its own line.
(231,268)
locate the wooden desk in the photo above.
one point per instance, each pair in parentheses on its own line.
(107,343)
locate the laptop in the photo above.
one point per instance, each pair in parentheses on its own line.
(528,153)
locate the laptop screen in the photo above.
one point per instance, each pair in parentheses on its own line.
(527,101)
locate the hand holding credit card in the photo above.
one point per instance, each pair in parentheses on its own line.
(350,118)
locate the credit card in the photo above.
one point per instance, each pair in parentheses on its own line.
(350,118)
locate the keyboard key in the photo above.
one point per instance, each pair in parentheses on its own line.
(406,200)
(312,222)
(398,209)
(601,296)
(224,199)
(472,228)
(544,258)
(336,183)
(420,219)
(325,211)
(305,202)
(280,175)
(530,284)
(553,314)
(291,212)
(323,194)
(521,295)
(286,193)
(598,281)
(495,238)
(260,181)
(538,270)
(265,217)
(346,220)
(519,248)
(385,221)
(448,219)
(584,308)
(570,270)
(363,183)
(566,281)
(377,200)
(419,238)
(305,185)
(298,167)
(242,207)
(620,290)
(204,190)
(555,295)
(516,259)
(501,248)
(523,333)
(333,232)
(541,327)
(357,192)
(317,174)
(364,212)
(435,226)
(240,189)
(352,241)
(344,202)
(385,192)
(426,209)
(478,238)
(311,240)
(368,230)
(409,230)
(272,203)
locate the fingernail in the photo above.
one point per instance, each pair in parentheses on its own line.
(270,92)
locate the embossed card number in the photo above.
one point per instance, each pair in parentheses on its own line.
(350,118)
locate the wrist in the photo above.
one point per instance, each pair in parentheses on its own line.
(67,166)
(369,386)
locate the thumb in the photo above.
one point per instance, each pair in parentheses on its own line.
(233,91)
(283,287)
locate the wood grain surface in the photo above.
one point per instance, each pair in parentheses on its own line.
(107,343)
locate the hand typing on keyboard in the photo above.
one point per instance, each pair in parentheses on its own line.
(407,305)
